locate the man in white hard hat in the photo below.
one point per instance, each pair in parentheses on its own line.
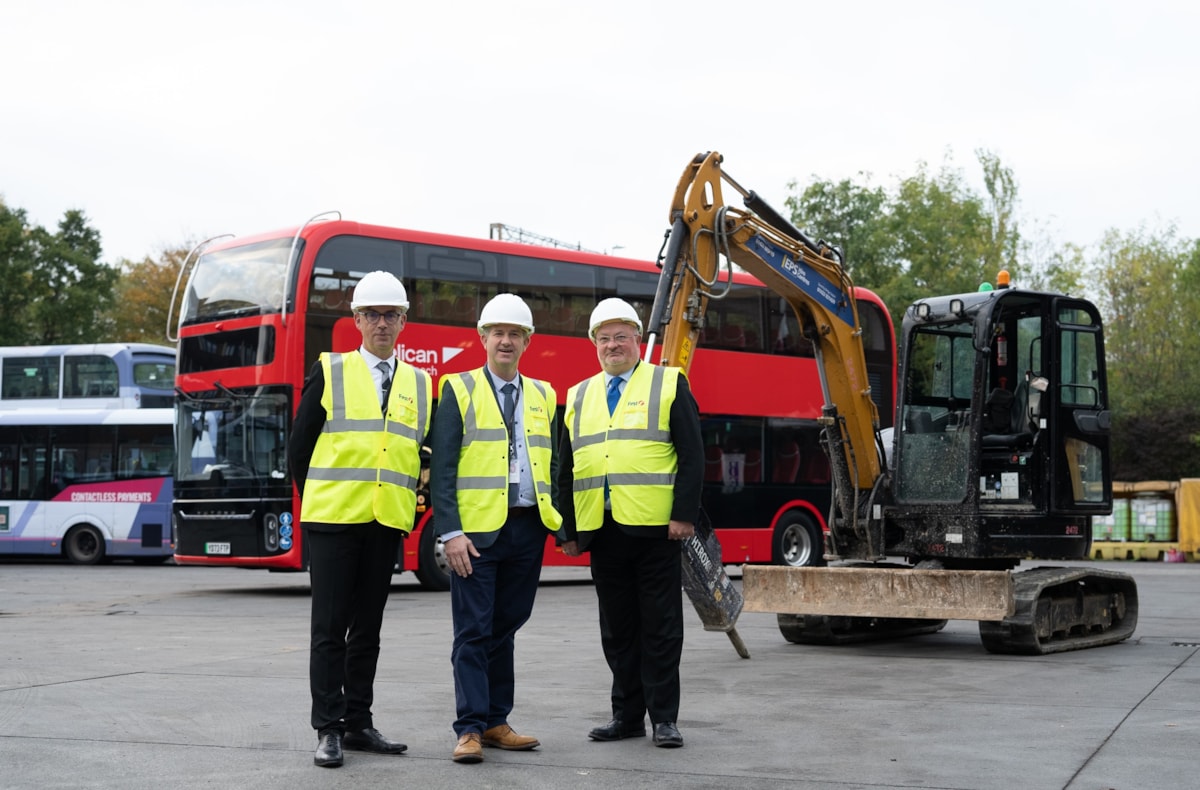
(492,478)
(633,458)
(354,453)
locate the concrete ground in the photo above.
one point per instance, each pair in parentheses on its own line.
(131,677)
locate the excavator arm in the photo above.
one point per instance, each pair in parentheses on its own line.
(706,238)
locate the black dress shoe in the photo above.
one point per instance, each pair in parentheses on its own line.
(329,750)
(666,735)
(371,740)
(616,729)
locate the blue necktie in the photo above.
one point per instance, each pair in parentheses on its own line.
(614,394)
(510,405)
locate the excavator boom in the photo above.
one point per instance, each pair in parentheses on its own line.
(809,276)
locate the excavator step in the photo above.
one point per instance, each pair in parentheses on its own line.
(1060,609)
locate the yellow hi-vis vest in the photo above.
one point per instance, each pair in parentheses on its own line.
(482,481)
(365,465)
(634,443)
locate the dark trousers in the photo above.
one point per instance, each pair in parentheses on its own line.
(489,606)
(351,575)
(638,584)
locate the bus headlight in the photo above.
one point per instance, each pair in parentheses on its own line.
(271,532)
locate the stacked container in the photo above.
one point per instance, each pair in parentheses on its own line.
(1152,517)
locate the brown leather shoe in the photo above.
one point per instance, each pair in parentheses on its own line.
(504,737)
(469,749)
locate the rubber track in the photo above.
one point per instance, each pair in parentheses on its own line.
(1060,609)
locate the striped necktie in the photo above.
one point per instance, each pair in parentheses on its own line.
(386,369)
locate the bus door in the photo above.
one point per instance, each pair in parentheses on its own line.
(82,470)
(8,477)
(24,481)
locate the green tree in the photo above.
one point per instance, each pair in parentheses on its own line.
(74,289)
(142,298)
(1048,266)
(16,276)
(933,234)
(53,287)
(854,219)
(1147,293)
(944,235)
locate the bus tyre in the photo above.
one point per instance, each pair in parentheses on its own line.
(798,541)
(433,572)
(84,545)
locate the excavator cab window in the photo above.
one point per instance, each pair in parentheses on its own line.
(933,446)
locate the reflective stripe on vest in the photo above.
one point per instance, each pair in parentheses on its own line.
(365,466)
(636,440)
(482,482)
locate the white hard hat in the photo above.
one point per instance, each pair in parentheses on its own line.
(381,289)
(506,309)
(613,309)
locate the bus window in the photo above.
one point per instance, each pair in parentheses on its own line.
(90,376)
(453,284)
(784,330)
(558,293)
(31,377)
(734,322)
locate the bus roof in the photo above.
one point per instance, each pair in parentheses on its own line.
(81,417)
(325,229)
(75,349)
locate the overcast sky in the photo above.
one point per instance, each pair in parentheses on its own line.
(167,122)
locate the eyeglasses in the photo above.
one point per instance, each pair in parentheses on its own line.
(373,317)
(620,340)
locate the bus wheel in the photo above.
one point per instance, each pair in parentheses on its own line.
(84,545)
(798,541)
(433,572)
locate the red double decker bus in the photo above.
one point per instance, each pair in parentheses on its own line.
(256,312)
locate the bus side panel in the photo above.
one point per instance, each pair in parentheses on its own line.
(133,515)
(24,528)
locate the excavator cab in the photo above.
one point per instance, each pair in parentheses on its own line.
(1002,429)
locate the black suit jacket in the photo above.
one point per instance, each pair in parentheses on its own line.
(689,479)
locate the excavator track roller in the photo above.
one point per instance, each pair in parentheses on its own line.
(1060,609)
(816,629)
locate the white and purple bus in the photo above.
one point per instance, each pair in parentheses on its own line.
(86,484)
(87,376)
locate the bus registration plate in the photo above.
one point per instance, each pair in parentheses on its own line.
(216,548)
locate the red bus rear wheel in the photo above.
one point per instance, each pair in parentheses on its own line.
(433,572)
(798,541)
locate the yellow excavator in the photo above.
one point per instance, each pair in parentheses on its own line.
(1000,451)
